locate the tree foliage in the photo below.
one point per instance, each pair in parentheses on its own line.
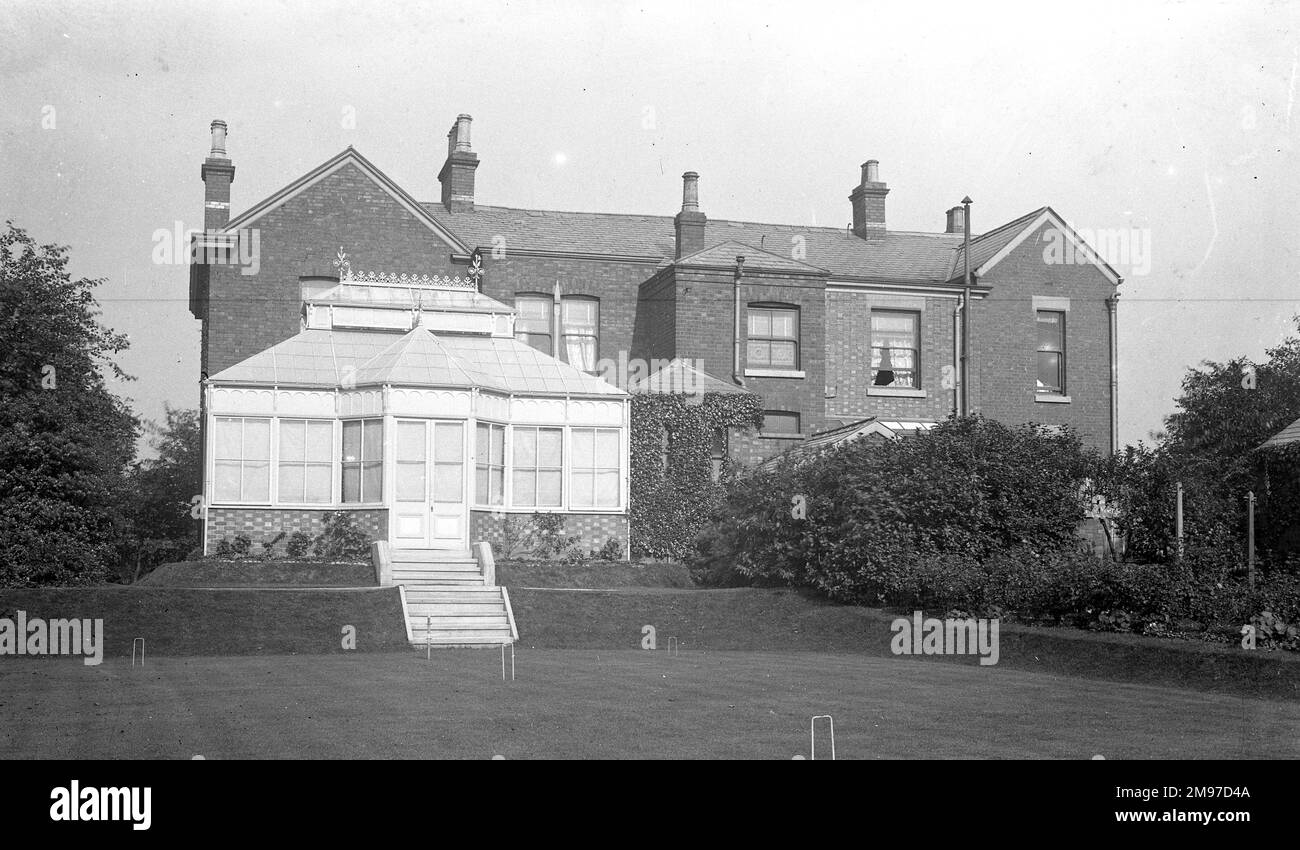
(160,492)
(65,439)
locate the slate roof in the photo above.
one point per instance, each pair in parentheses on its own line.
(322,358)
(985,246)
(897,256)
(723,255)
(823,440)
(1289,434)
(678,376)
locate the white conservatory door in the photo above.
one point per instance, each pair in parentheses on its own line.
(429,507)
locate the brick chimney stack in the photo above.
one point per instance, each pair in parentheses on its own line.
(868,200)
(457,174)
(217,173)
(956,221)
(690,222)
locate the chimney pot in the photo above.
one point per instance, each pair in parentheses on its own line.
(690,192)
(871,171)
(689,224)
(218,140)
(462,132)
(956,220)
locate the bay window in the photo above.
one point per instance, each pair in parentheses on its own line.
(242,459)
(363,460)
(306,459)
(536,467)
(594,472)
(489,464)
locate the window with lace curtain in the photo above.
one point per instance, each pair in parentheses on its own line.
(580,317)
(895,348)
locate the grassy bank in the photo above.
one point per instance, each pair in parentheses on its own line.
(187,621)
(768,620)
(260,573)
(592,574)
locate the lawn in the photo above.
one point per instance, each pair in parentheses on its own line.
(610,704)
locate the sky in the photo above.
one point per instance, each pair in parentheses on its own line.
(1171,125)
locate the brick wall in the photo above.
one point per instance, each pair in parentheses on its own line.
(848,357)
(1004,341)
(705,326)
(593,529)
(614,283)
(263,524)
(655,332)
(250,313)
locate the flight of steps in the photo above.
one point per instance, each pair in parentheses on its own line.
(447,602)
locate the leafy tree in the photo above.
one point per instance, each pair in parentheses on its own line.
(1211,445)
(160,492)
(65,439)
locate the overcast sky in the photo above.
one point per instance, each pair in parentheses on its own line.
(1174,121)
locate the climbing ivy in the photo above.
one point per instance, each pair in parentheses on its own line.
(671,502)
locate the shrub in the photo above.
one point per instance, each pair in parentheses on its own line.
(548,537)
(341,540)
(611,551)
(298,545)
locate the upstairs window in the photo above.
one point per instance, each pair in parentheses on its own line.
(1051,352)
(895,348)
(773,341)
(533,321)
(580,318)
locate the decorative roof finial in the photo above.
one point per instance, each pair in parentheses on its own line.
(343,264)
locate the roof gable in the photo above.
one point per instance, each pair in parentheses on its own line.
(993,247)
(348,157)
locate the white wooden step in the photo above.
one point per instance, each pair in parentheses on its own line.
(436,567)
(452,609)
(487,635)
(453,594)
(458,624)
(436,578)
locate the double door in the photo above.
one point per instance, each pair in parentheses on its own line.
(429,500)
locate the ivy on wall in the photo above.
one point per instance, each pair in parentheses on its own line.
(672,497)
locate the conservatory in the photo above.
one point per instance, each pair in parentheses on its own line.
(407,402)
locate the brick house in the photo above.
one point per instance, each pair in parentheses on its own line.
(833,328)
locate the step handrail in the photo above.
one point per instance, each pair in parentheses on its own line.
(510,614)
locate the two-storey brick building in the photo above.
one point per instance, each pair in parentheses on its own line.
(831,327)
